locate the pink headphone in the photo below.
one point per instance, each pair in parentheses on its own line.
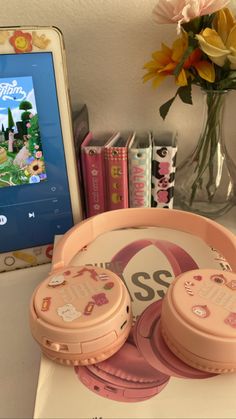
(82,315)
(127,376)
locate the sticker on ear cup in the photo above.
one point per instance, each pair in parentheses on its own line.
(67,273)
(89,308)
(232,284)
(46,304)
(219,279)
(231,320)
(100,299)
(188,288)
(68,313)
(57,281)
(93,273)
(103,277)
(108,285)
(197,277)
(201,311)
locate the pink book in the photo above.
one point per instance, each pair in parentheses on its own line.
(93,170)
(116,163)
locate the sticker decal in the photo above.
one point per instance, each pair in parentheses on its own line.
(67,273)
(188,287)
(46,304)
(37,251)
(232,284)
(197,277)
(219,279)
(201,311)
(41,41)
(100,299)
(103,276)
(92,272)
(3,36)
(49,251)
(26,257)
(57,281)
(21,41)
(89,308)
(231,320)
(108,285)
(9,260)
(68,313)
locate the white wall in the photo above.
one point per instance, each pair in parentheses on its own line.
(107,43)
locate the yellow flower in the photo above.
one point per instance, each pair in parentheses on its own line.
(220,43)
(36,167)
(164,63)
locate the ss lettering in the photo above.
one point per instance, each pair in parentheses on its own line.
(149,293)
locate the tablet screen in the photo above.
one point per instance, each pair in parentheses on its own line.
(34,192)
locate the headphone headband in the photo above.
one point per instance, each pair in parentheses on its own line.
(88,230)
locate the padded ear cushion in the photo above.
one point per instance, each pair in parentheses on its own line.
(128,365)
(171,361)
(115,388)
(153,348)
(78,362)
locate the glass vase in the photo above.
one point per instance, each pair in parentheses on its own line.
(205,181)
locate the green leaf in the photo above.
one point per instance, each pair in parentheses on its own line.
(227,83)
(164,109)
(185,93)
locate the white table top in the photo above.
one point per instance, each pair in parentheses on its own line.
(20,355)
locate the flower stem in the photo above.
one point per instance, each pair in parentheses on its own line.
(207,146)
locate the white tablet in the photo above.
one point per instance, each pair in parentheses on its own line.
(39,191)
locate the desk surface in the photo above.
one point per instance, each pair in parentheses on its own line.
(20,355)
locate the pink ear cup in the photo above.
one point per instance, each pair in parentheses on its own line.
(73,360)
(126,376)
(198,320)
(80,315)
(150,343)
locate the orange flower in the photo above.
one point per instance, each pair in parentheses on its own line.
(21,41)
(165,62)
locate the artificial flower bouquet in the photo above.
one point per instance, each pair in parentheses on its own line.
(204,54)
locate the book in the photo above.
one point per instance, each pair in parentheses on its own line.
(139,163)
(80,131)
(116,162)
(164,152)
(93,170)
(147,273)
